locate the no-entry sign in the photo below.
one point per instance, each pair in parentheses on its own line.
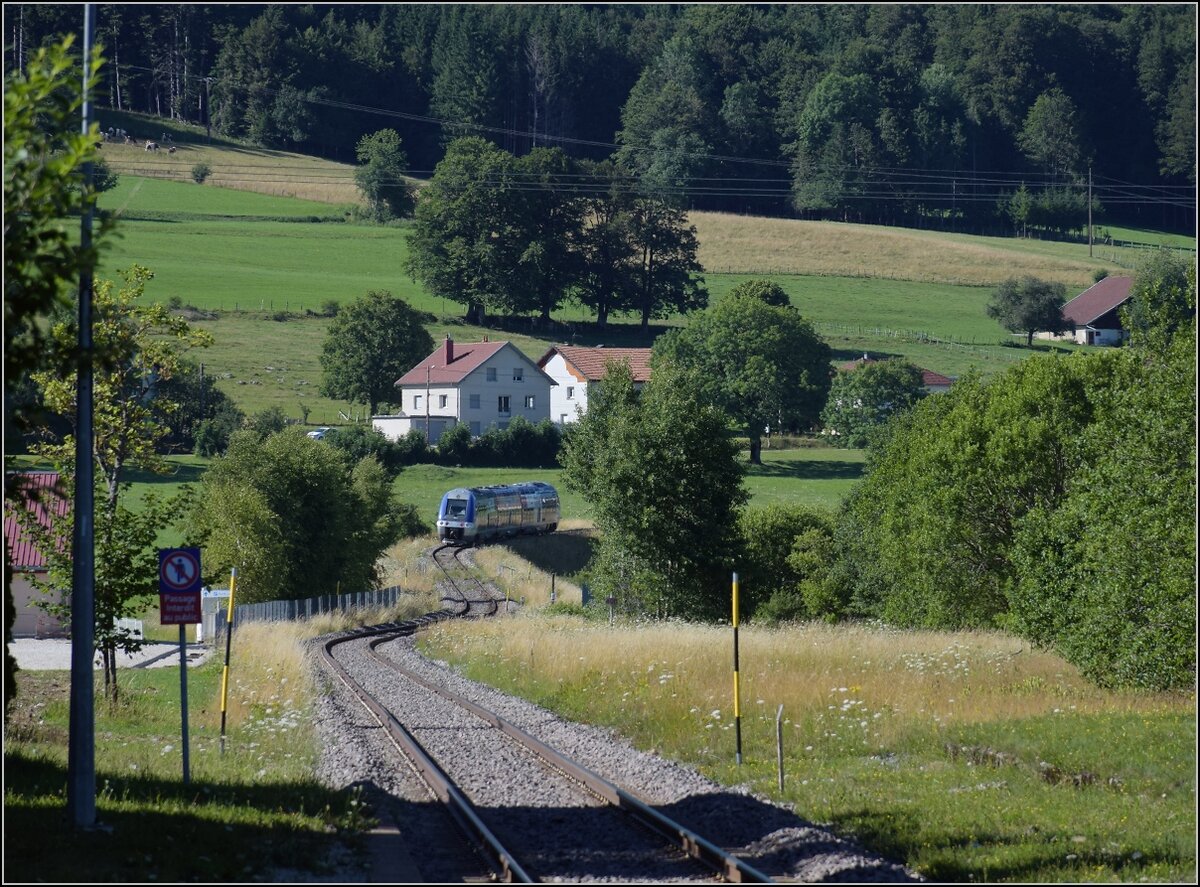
(179,586)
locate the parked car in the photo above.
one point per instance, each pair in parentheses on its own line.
(319,433)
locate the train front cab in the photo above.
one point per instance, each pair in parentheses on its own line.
(456,517)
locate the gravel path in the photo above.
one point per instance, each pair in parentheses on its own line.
(581,846)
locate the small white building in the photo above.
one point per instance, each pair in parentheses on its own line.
(576,369)
(479,383)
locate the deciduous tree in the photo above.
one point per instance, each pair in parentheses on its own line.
(664,482)
(295,517)
(370,344)
(1028,305)
(761,364)
(381,176)
(862,398)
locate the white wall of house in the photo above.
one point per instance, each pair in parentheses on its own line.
(568,399)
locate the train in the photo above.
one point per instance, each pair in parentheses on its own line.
(481,513)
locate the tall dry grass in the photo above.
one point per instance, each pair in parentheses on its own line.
(759,245)
(868,684)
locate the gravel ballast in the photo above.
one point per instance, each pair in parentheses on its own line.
(577,843)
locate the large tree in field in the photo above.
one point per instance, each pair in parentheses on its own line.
(762,364)
(1161,302)
(381,176)
(295,517)
(665,485)
(371,343)
(455,231)
(1027,305)
(667,275)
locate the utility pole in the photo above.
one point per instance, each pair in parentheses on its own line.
(81,751)
(1089,212)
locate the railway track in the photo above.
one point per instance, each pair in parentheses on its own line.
(465,593)
(509,793)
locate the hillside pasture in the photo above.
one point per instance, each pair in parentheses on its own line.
(767,246)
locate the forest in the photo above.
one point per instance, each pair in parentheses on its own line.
(978,118)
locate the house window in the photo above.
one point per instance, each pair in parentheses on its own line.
(502,405)
(529,399)
(474,429)
(416,401)
(442,398)
(518,374)
(474,403)
(491,374)
(570,392)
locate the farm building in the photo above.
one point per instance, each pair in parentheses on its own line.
(1096,314)
(934,383)
(479,383)
(37,492)
(576,369)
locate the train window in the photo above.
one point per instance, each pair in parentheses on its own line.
(456,507)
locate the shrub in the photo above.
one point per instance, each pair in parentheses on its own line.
(200,172)
(330,308)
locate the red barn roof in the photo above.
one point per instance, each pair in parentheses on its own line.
(39,492)
(1097,300)
(591,364)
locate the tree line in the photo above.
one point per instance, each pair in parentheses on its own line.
(905,114)
(1056,500)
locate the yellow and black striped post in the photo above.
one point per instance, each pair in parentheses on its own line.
(737,689)
(228,642)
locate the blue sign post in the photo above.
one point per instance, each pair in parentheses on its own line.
(179,604)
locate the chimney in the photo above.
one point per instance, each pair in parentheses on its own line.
(448,351)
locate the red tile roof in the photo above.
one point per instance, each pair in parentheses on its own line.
(591,364)
(464,358)
(1097,300)
(36,491)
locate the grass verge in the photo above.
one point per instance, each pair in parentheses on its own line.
(249,814)
(968,756)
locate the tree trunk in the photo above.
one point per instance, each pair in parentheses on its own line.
(755,450)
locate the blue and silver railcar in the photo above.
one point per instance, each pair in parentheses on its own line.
(480,513)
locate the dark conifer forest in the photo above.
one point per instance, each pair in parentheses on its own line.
(977,117)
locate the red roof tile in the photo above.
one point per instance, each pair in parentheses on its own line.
(36,491)
(464,358)
(1097,300)
(591,364)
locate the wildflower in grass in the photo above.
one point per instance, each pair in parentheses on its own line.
(716,713)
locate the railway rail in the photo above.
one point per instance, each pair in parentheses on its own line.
(495,829)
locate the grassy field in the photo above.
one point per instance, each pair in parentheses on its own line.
(264,262)
(968,756)
(253,813)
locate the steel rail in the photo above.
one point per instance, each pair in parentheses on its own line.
(442,787)
(724,863)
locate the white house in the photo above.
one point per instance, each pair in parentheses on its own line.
(576,369)
(479,383)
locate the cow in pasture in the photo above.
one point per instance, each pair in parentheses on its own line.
(171,150)
(151,146)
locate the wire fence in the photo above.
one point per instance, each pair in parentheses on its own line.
(306,608)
